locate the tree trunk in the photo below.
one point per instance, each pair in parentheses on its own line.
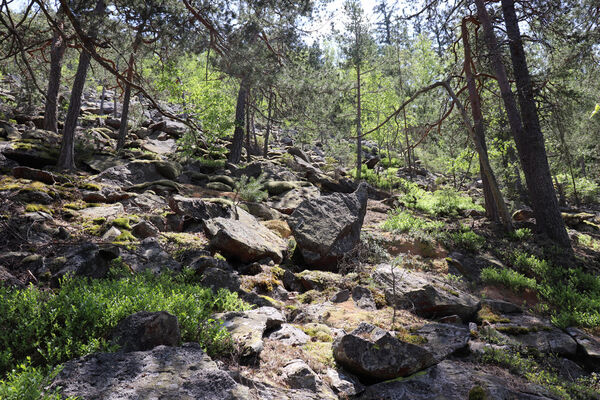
(485,163)
(358,125)
(268,130)
(491,210)
(101,119)
(235,154)
(529,139)
(248,130)
(57,51)
(66,159)
(127,95)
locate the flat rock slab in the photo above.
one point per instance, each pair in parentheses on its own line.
(162,373)
(444,340)
(245,240)
(425,295)
(114,210)
(589,344)
(453,380)
(289,201)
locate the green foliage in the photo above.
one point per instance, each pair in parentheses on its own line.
(520,234)
(507,277)
(442,202)
(26,382)
(251,189)
(588,191)
(405,222)
(387,179)
(536,372)
(465,239)
(52,327)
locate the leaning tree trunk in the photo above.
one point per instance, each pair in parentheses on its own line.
(57,51)
(66,159)
(491,210)
(528,138)
(127,94)
(235,154)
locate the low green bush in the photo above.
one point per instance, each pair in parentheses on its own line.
(405,222)
(26,382)
(52,327)
(507,277)
(464,239)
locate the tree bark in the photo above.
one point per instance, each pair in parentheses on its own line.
(491,210)
(526,132)
(268,130)
(127,95)
(235,154)
(66,159)
(358,125)
(57,51)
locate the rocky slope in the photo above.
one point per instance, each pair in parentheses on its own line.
(335,316)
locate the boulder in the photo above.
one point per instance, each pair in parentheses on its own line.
(34,175)
(144,229)
(216,278)
(363,298)
(9,280)
(164,372)
(279,187)
(219,187)
(248,327)
(289,201)
(262,211)
(589,345)
(327,228)
(150,255)
(455,380)
(523,215)
(145,330)
(290,335)
(245,240)
(425,295)
(374,355)
(87,259)
(342,384)
(298,375)
(443,340)
(202,209)
(341,296)
(281,228)
(139,172)
(114,210)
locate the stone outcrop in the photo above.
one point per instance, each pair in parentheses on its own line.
(327,228)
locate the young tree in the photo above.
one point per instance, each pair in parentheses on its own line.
(358,48)
(57,51)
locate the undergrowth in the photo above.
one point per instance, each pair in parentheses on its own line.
(53,327)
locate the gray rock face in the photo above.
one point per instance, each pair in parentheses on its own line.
(424,295)
(145,330)
(136,172)
(248,328)
(162,373)
(144,229)
(453,380)
(245,240)
(149,254)
(374,355)
(298,375)
(216,278)
(289,201)
(328,227)
(589,344)
(444,339)
(87,259)
(342,384)
(290,335)
(199,209)
(363,298)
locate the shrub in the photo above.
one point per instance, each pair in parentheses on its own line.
(520,234)
(405,222)
(508,277)
(251,189)
(465,239)
(52,327)
(26,382)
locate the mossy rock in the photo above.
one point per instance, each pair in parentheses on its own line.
(477,393)
(219,186)
(169,169)
(276,188)
(227,180)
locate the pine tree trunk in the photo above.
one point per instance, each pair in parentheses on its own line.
(125,110)
(66,158)
(528,138)
(235,154)
(57,51)
(491,210)
(358,125)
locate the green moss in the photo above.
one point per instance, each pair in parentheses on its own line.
(121,222)
(99,220)
(486,314)
(74,206)
(319,332)
(125,236)
(477,393)
(91,186)
(36,208)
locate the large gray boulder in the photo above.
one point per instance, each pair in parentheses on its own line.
(139,171)
(455,380)
(374,355)
(145,330)
(162,373)
(424,295)
(328,227)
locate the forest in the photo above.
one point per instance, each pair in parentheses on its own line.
(319,199)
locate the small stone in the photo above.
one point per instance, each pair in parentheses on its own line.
(144,229)
(341,296)
(298,375)
(363,298)
(111,234)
